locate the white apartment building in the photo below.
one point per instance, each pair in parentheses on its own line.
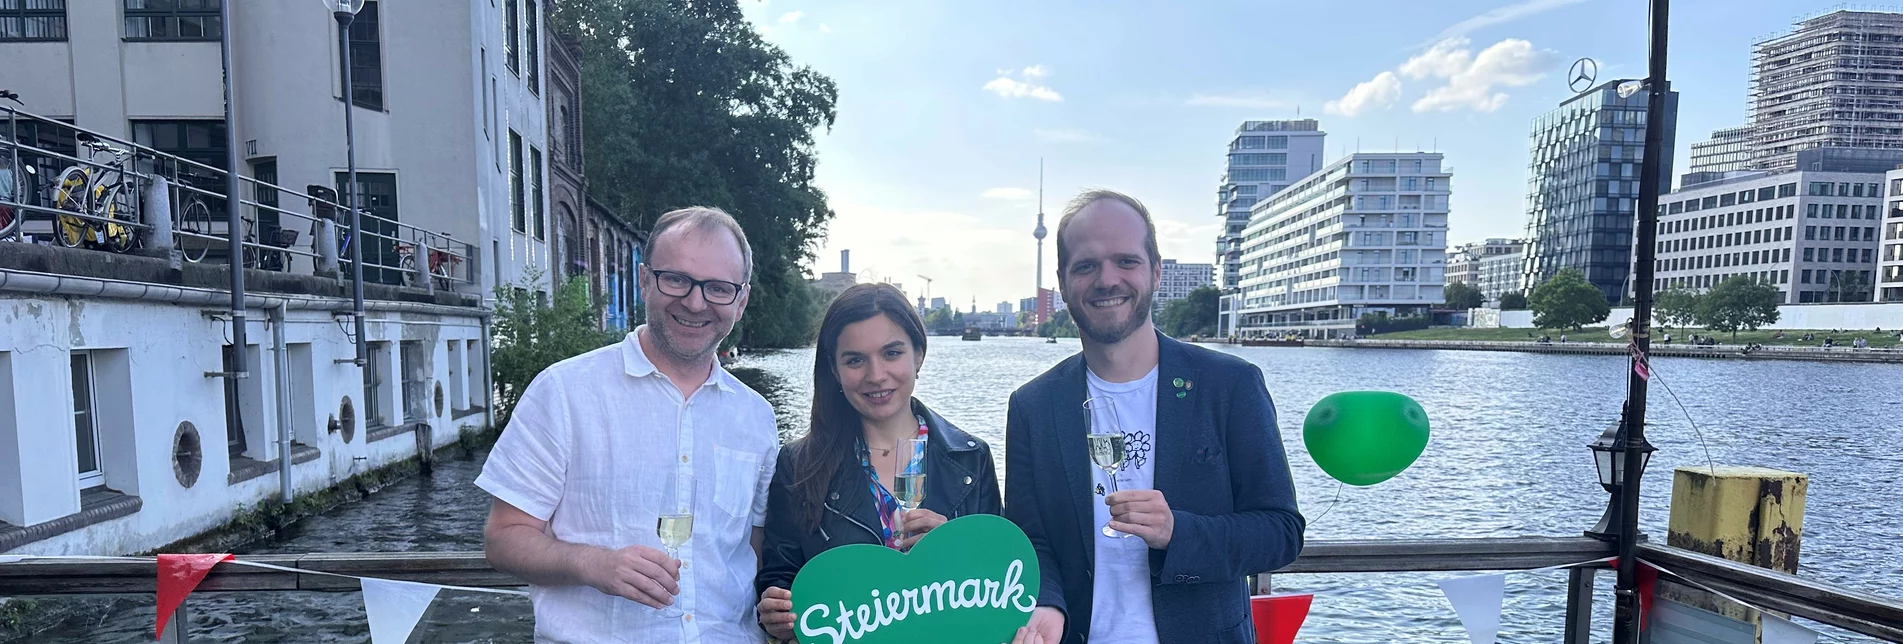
(1179,279)
(1367,233)
(1491,266)
(1263,158)
(450,125)
(1811,234)
(1728,150)
(1890,258)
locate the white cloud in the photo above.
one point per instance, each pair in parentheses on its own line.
(1245,101)
(791,17)
(1027,85)
(1009,194)
(1473,80)
(1378,92)
(1500,15)
(1066,135)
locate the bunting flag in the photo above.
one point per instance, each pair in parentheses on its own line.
(178,576)
(1648,579)
(1778,630)
(394,607)
(1477,600)
(1279,617)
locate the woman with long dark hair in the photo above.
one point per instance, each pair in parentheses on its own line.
(848,479)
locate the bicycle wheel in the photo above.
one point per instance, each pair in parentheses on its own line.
(71,231)
(11,189)
(195,222)
(118,207)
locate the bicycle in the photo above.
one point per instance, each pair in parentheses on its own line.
(441,263)
(12,184)
(106,195)
(195,221)
(260,258)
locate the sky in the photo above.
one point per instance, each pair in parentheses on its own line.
(947,106)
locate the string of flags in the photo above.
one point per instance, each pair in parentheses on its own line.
(394,607)
(1478,599)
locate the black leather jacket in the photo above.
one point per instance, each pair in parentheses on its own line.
(960,480)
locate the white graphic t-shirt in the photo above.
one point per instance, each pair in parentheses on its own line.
(1120,612)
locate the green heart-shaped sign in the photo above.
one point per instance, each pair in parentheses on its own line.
(1365,437)
(973,579)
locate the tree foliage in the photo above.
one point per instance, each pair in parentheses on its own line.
(1194,314)
(1737,303)
(1461,296)
(1512,301)
(1059,326)
(1567,301)
(528,335)
(1676,306)
(684,105)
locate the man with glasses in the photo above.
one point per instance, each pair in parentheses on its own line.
(602,446)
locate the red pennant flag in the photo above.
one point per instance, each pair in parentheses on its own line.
(1648,580)
(178,576)
(1279,617)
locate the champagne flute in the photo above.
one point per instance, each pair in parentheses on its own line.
(1106,445)
(675,529)
(909,486)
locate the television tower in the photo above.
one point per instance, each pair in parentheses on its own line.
(1039,231)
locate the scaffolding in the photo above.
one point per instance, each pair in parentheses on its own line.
(1836,80)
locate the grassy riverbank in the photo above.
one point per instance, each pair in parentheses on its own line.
(1679,336)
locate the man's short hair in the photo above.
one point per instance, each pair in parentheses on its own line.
(1080,202)
(703,219)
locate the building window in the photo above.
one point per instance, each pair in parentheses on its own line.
(416,373)
(533,43)
(32,20)
(85,423)
(511,55)
(518,219)
(197,141)
(535,193)
(366,59)
(171,19)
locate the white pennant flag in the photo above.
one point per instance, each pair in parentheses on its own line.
(1477,601)
(1778,630)
(394,607)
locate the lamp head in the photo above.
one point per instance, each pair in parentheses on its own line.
(343,8)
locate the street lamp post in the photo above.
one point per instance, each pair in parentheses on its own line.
(345,11)
(1631,451)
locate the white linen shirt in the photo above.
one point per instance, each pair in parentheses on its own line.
(597,446)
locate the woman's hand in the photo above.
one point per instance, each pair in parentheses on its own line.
(917,523)
(776,613)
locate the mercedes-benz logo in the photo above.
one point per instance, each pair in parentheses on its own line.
(1580,78)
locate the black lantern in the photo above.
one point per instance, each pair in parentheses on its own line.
(1608,455)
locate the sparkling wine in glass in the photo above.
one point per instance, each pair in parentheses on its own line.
(674,530)
(909,486)
(1106,444)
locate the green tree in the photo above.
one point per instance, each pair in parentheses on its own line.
(685,104)
(1567,301)
(528,335)
(1512,301)
(1059,326)
(939,319)
(1194,314)
(1676,306)
(1848,286)
(794,316)
(1460,296)
(1739,302)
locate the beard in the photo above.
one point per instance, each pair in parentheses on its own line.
(665,336)
(1113,331)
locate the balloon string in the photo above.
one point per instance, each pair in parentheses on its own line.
(1331,505)
(1711,466)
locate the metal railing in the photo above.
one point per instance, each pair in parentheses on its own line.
(1872,615)
(55,186)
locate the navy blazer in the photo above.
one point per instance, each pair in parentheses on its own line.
(1219,464)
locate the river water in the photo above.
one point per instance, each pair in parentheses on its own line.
(1507,458)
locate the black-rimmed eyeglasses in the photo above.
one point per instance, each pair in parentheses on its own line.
(676,284)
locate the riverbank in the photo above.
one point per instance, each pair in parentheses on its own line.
(1842,338)
(1720,351)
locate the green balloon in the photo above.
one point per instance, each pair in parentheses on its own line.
(1365,437)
